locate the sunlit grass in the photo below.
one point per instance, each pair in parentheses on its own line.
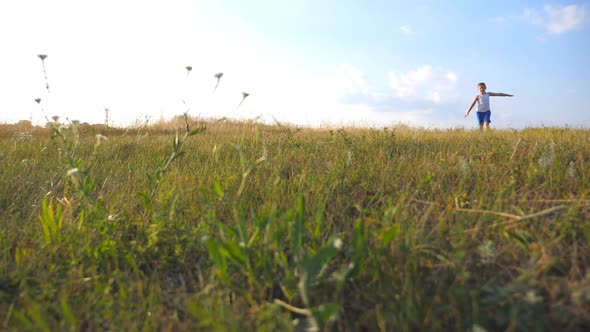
(258,227)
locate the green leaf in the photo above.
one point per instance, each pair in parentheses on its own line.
(311,266)
(51,221)
(145,198)
(218,190)
(67,311)
(297,235)
(521,238)
(175,143)
(177,155)
(324,313)
(234,252)
(389,235)
(81,220)
(358,249)
(218,258)
(197,131)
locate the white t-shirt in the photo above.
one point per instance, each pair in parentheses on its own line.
(483,103)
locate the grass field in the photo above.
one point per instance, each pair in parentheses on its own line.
(248,227)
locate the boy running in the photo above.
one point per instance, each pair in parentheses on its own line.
(483,106)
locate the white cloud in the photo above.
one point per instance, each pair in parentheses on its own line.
(563,19)
(424,83)
(406,29)
(557,19)
(498,19)
(434,96)
(351,80)
(532,16)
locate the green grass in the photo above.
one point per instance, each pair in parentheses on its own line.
(261,228)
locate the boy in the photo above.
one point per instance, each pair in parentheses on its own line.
(483,106)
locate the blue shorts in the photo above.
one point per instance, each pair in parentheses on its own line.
(484,117)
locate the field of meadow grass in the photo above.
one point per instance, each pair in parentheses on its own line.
(238,226)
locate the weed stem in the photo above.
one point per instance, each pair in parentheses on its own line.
(291,308)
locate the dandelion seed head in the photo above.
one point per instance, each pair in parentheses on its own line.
(72,171)
(101,137)
(338,243)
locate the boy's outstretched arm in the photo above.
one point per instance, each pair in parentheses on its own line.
(470,107)
(499,94)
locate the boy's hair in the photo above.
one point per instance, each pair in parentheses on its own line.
(481,84)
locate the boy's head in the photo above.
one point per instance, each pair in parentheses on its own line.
(481,87)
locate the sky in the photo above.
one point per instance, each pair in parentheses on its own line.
(304,62)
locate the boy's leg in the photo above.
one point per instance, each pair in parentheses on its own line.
(487,118)
(480,120)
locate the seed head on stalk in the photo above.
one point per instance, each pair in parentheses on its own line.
(218,76)
(43,57)
(38,101)
(188,70)
(244,96)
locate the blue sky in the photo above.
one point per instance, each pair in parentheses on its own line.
(313,63)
